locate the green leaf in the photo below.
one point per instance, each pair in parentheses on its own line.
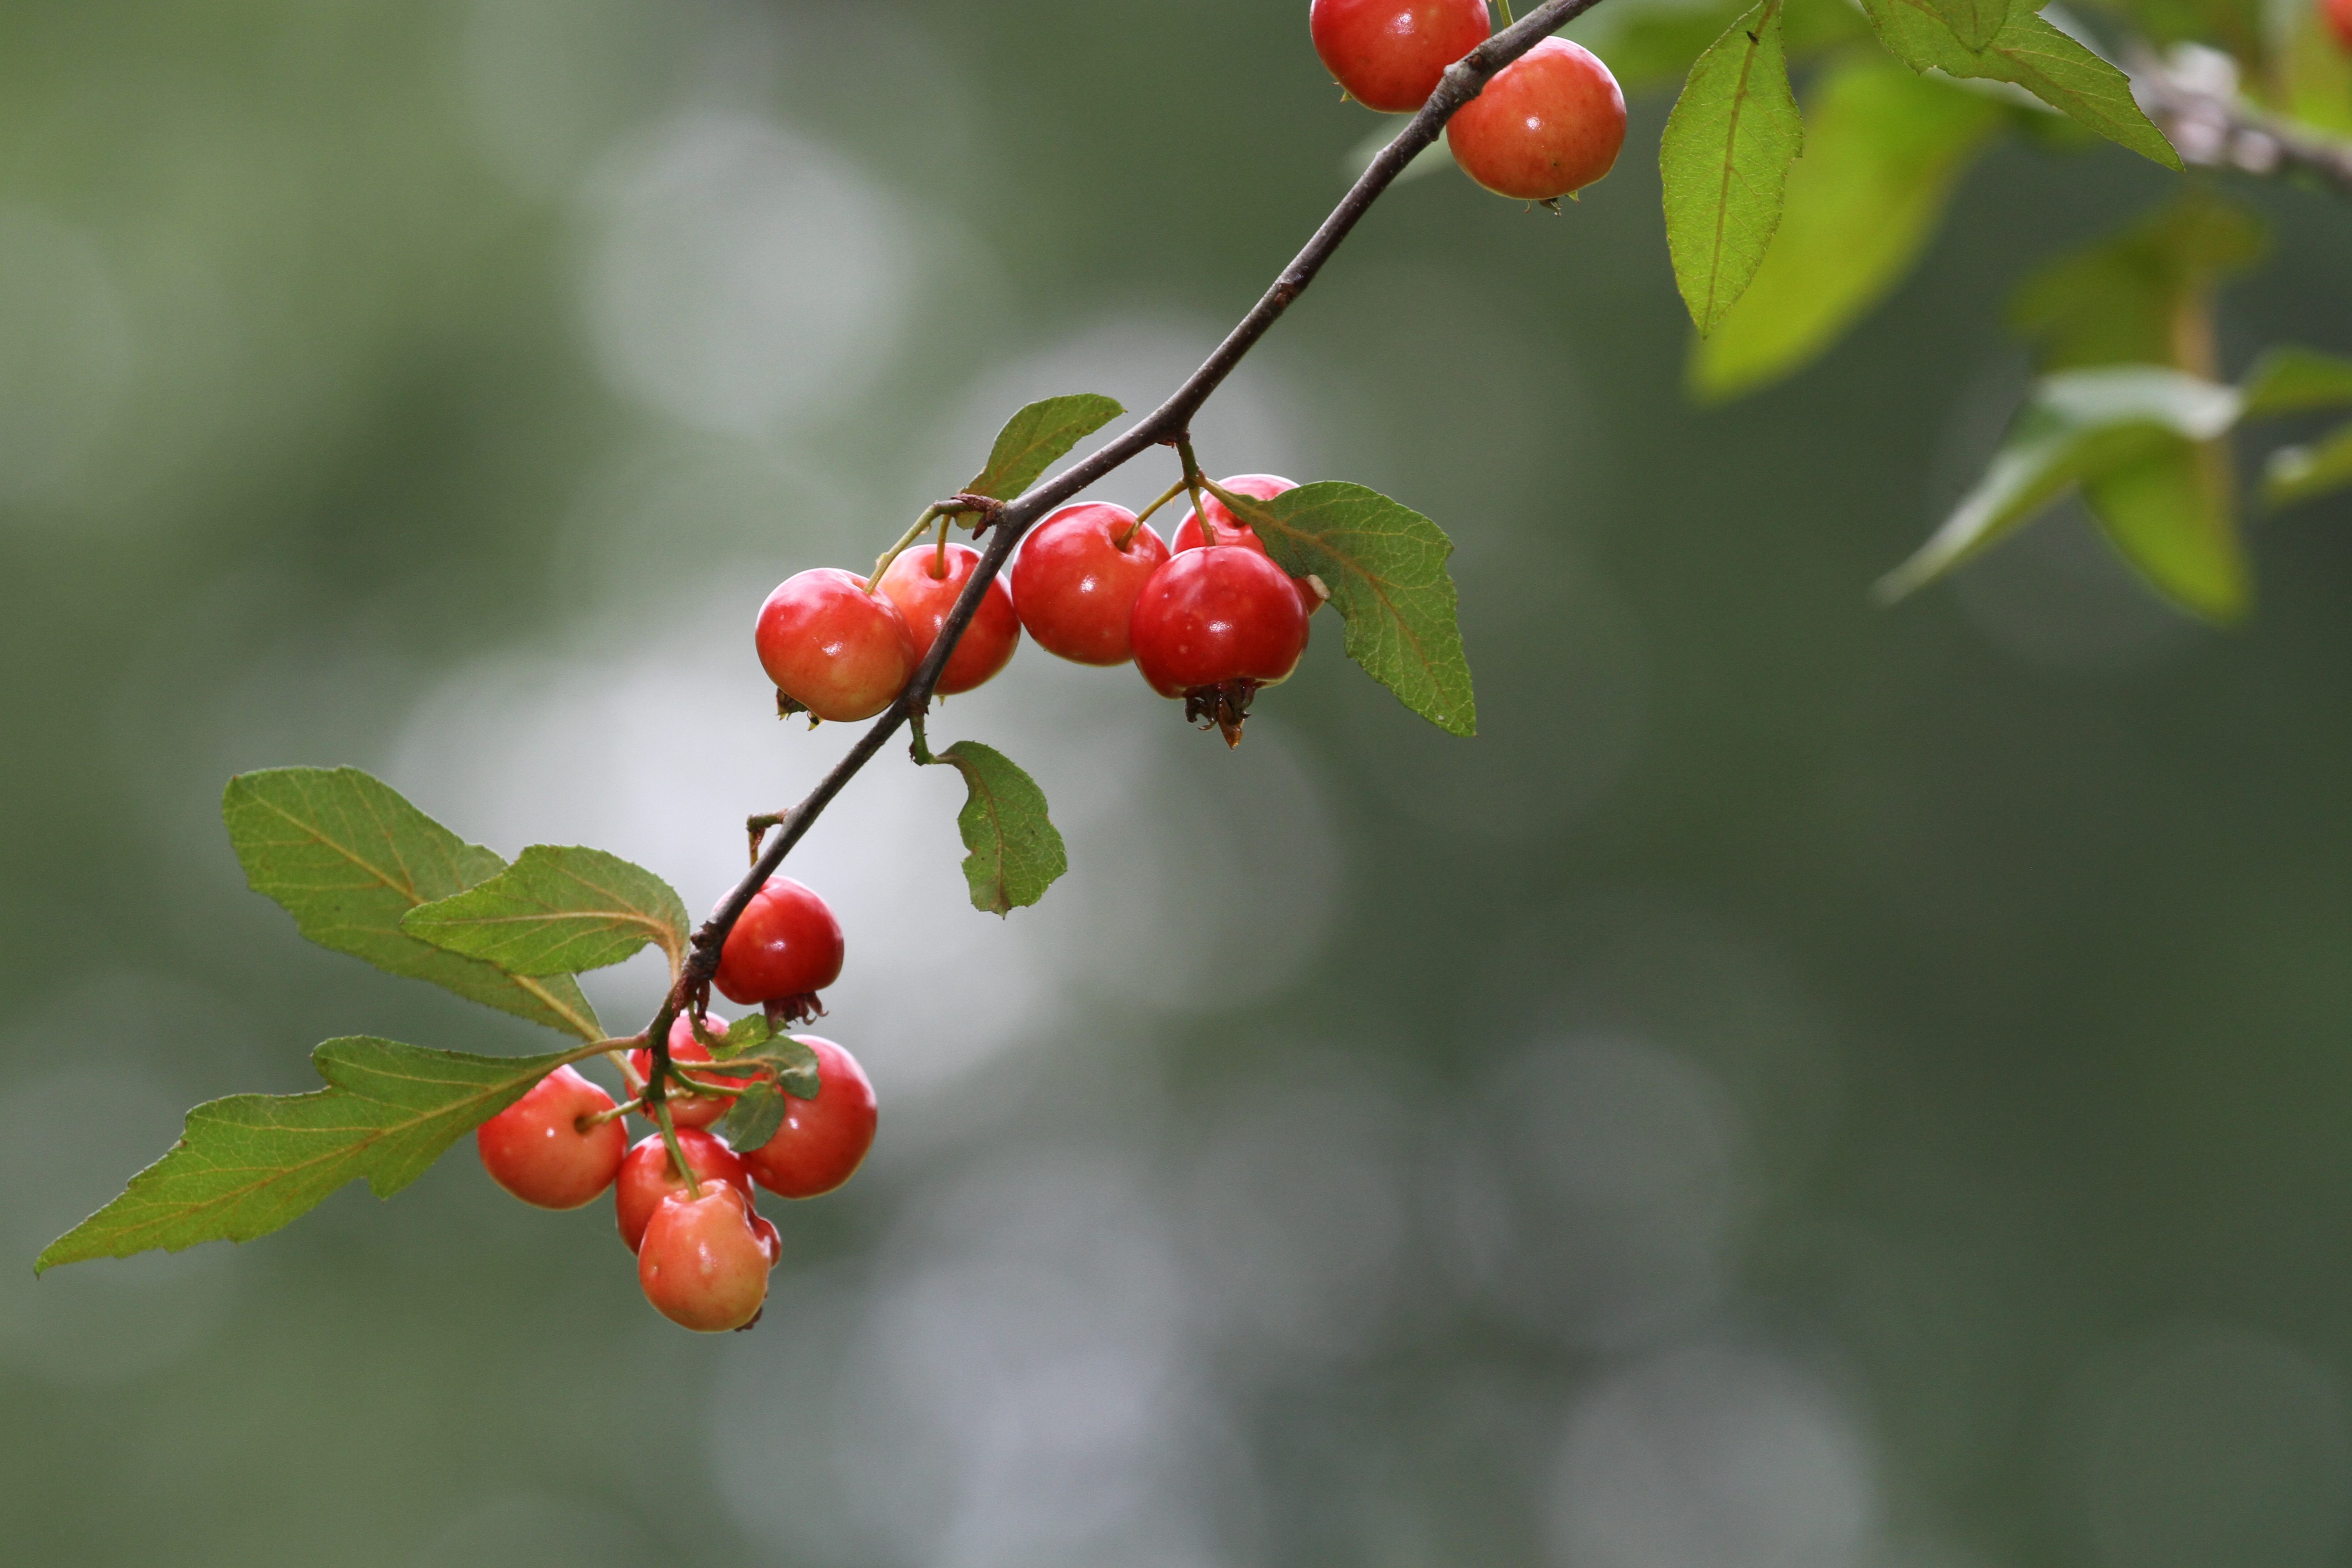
(2316,72)
(1648,46)
(1975,23)
(557,910)
(745,1033)
(1883,147)
(2079,426)
(788,1060)
(347,858)
(2031,54)
(247,1165)
(1033,438)
(1016,850)
(2290,380)
(2173,516)
(1384,566)
(2143,296)
(2298,473)
(755,1116)
(1724,159)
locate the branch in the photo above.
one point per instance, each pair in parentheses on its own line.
(2193,96)
(1162,426)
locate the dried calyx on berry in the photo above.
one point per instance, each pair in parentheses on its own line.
(1224,705)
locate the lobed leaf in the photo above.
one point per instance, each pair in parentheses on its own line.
(2079,426)
(247,1165)
(2031,53)
(1383,564)
(1724,161)
(2290,380)
(2298,473)
(1015,851)
(1035,436)
(1883,147)
(347,856)
(557,910)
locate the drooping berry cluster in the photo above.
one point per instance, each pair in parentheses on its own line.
(703,1250)
(1210,621)
(1547,124)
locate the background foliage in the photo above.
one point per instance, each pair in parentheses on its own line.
(1807,1084)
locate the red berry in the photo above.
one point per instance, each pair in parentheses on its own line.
(1077,578)
(1217,615)
(785,949)
(541,1149)
(831,647)
(686,1110)
(704,1265)
(822,1140)
(1388,54)
(925,593)
(1231,530)
(1550,122)
(2338,14)
(649,1176)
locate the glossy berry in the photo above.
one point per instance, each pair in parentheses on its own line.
(1388,54)
(649,1176)
(1550,122)
(686,1110)
(703,1265)
(1078,577)
(539,1149)
(1231,530)
(925,592)
(822,1140)
(836,650)
(1217,615)
(785,949)
(2338,14)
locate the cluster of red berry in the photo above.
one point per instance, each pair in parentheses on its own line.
(703,1250)
(1210,620)
(1549,124)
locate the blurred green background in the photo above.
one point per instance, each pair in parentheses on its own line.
(1807,1086)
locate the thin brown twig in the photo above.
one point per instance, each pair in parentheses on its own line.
(2210,126)
(1163,425)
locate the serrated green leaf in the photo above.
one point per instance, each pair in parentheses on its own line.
(1015,851)
(247,1165)
(1383,564)
(557,910)
(1976,23)
(2173,516)
(2298,473)
(1883,147)
(785,1057)
(1035,436)
(2031,54)
(757,1114)
(347,856)
(745,1033)
(1647,45)
(2290,380)
(1724,160)
(2079,426)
